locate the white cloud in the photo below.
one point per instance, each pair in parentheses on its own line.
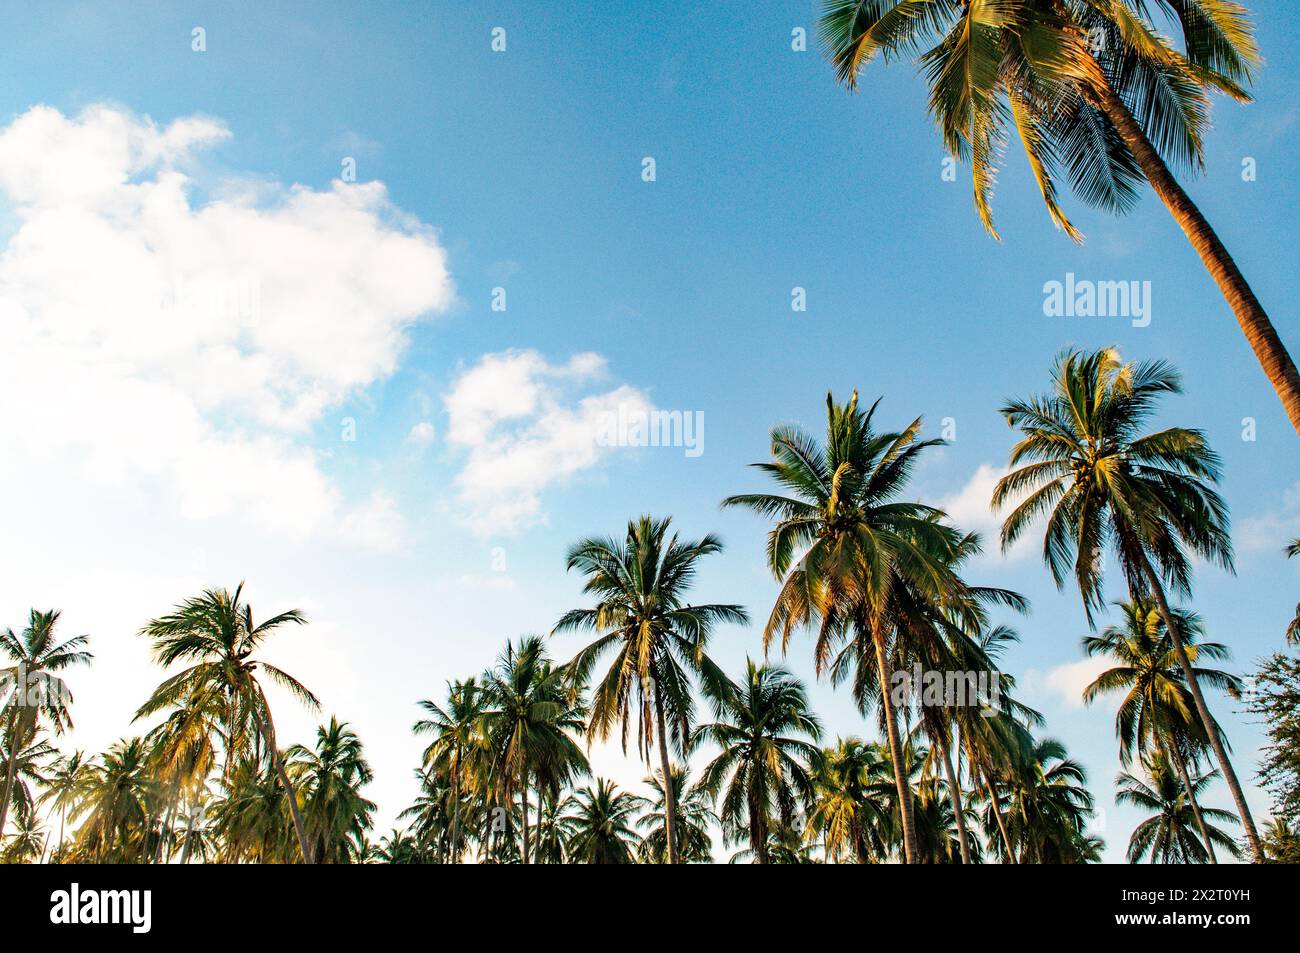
(970,509)
(1068,681)
(161,344)
(525,428)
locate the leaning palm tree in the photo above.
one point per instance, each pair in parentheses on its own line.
(658,640)
(1094,92)
(694,818)
(845,539)
(215,632)
(1169,836)
(31,692)
(765,731)
(598,822)
(1156,713)
(1085,465)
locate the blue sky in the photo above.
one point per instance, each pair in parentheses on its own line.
(522,169)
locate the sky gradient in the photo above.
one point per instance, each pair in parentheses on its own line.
(152,453)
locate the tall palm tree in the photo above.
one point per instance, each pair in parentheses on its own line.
(528,720)
(1157,713)
(765,731)
(1094,92)
(32,694)
(694,818)
(215,632)
(844,540)
(599,824)
(1085,465)
(657,639)
(455,752)
(330,777)
(1169,836)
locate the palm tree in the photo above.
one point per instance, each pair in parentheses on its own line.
(398,847)
(528,718)
(457,743)
(27,844)
(1169,835)
(1092,89)
(251,822)
(65,785)
(28,766)
(1157,713)
(657,639)
(1103,484)
(853,791)
(765,729)
(694,818)
(598,823)
(329,781)
(844,541)
(31,692)
(1293,630)
(215,631)
(183,753)
(119,802)
(1048,807)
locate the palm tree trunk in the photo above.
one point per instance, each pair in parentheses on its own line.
(170,818)
(883,673)
(954,791)
(189,835)
(994,805)
(670,800)
(757,831)
(63,817)
(11,772)
(1191,799)
(455,809)
(1255,324)
(269,730)
(524,796)
(1216,742)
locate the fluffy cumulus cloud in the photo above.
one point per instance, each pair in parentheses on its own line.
(164,339)
(526,423)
